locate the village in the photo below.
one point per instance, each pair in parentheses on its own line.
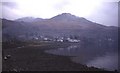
(52,39)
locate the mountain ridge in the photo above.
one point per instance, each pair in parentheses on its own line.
(64,18)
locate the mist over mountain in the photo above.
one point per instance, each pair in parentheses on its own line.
(28,19)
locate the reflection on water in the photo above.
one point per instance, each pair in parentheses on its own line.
(89,56)
(69,51)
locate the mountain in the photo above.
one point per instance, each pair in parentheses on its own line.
(63,21)
(62,25)
(67,21)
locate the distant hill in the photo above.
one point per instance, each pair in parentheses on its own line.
(28,19)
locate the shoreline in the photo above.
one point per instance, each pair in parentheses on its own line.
(33,58)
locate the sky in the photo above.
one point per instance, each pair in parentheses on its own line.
(101,11)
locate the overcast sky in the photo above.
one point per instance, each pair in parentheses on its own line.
(100,11)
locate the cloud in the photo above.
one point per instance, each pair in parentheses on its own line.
(9,4)
(61,5)
(107,14)
(8,10)
(91,9)
(91,0)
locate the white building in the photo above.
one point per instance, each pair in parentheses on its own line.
(73,40)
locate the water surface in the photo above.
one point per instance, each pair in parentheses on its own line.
(90,56)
